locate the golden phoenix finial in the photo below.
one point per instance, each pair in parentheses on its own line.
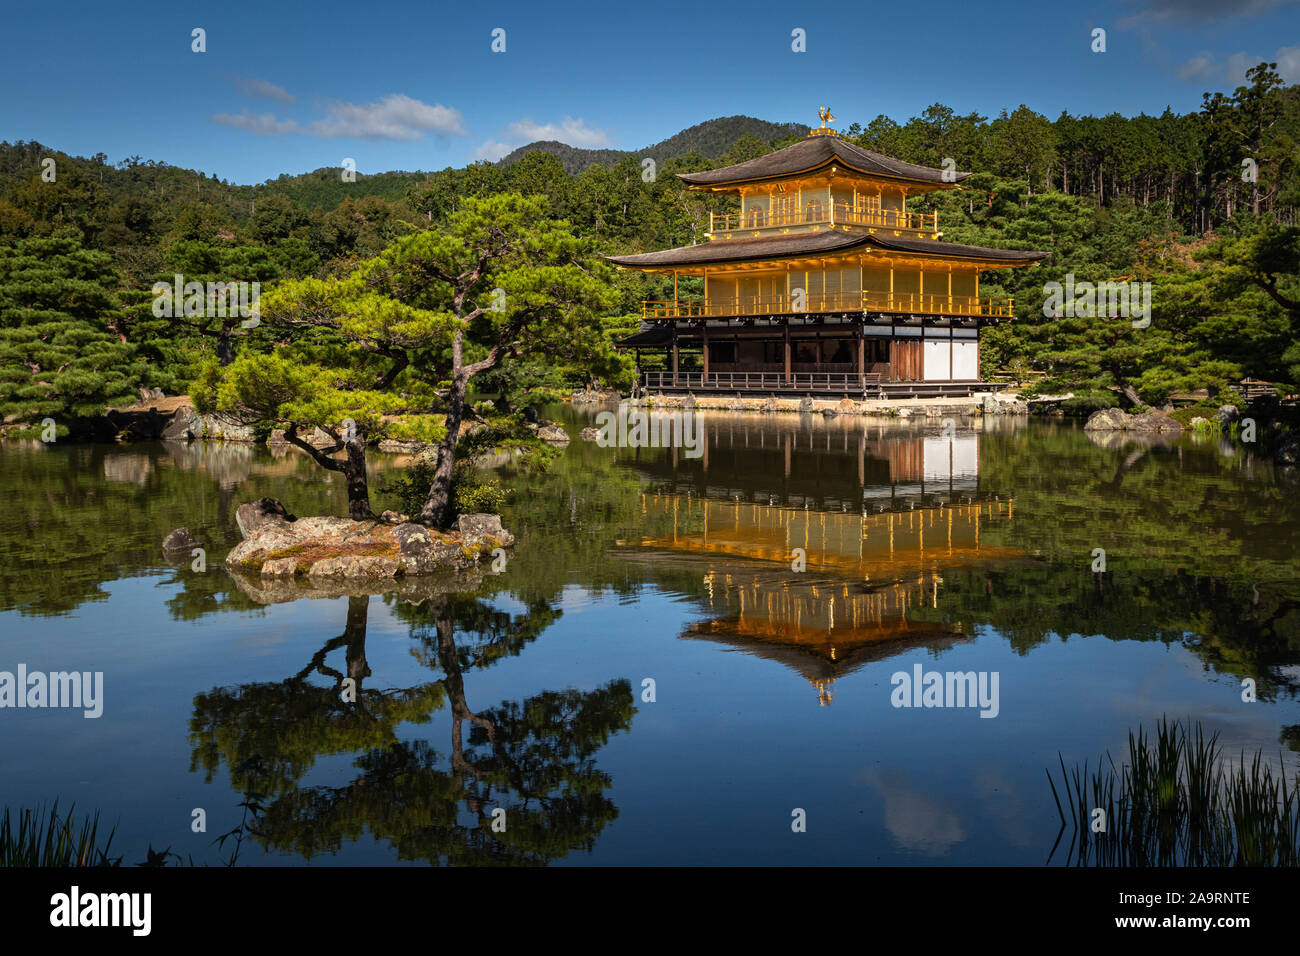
(825,113)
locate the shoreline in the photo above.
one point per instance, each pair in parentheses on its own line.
(980,405)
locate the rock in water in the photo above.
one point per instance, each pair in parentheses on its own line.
(1106,420)
(354,567)
(484,526)
(183,426)
(181,540)
(262,513)
(333,548)
(1227,414)
(280,568)
(1116,419)
(1152,422)
(590,434)
(553,434)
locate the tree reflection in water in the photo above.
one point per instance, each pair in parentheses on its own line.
(533,758)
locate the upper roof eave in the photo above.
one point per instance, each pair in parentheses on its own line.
(723,251)
(817,152)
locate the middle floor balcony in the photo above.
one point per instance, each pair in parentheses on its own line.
(903,303)
(824,214)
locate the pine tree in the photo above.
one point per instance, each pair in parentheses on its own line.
(58,358)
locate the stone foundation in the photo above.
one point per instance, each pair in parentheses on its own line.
(918,408)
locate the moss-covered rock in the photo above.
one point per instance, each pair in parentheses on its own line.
(332,547)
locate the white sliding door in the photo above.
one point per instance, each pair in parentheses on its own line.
(965,360)
(938,356)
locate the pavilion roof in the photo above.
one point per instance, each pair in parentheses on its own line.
(646,337)
(813,153)
(798,245)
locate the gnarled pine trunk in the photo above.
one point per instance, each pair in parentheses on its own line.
(437,505)
(353,468)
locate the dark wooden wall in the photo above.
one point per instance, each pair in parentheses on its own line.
(907,360)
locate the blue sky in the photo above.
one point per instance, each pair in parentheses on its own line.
(293,87)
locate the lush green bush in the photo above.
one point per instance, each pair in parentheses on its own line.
(1085,405)
(472,492)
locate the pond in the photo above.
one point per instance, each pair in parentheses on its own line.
(721,657)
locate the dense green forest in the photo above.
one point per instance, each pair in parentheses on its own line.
(1203,205)
(711,139)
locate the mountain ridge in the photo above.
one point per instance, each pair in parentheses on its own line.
(711,139)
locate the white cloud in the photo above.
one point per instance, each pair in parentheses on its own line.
(492,151)
(1288,63)
(573,132)
(264,89)
(396,116)
(1205,67)
(1199,67)
(263,124)
(1236,66)
(1197,11)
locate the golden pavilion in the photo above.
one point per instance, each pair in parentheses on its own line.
(823,282)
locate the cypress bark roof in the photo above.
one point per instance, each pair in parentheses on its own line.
(646,337)
(811,244)
(813,153)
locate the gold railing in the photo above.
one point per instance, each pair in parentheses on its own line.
(927,303)
(824,214)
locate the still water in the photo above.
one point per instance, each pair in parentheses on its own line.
(682,653)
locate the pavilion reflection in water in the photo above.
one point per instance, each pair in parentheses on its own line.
(835,464)
(873,575)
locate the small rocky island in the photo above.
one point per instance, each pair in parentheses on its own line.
(276,545)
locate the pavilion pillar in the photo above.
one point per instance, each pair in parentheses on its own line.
(674,353)
(893,350)
(862,356)
(787,351)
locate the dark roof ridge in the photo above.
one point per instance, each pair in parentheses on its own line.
(813,243)
(813,153)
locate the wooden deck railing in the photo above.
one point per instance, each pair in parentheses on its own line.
(764,381)
(824,214)
(867,386)
(927,303)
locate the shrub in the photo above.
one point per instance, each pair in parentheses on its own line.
(471,491)
(1085,405)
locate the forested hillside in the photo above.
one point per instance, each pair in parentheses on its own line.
(1203,205)
(710,139)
